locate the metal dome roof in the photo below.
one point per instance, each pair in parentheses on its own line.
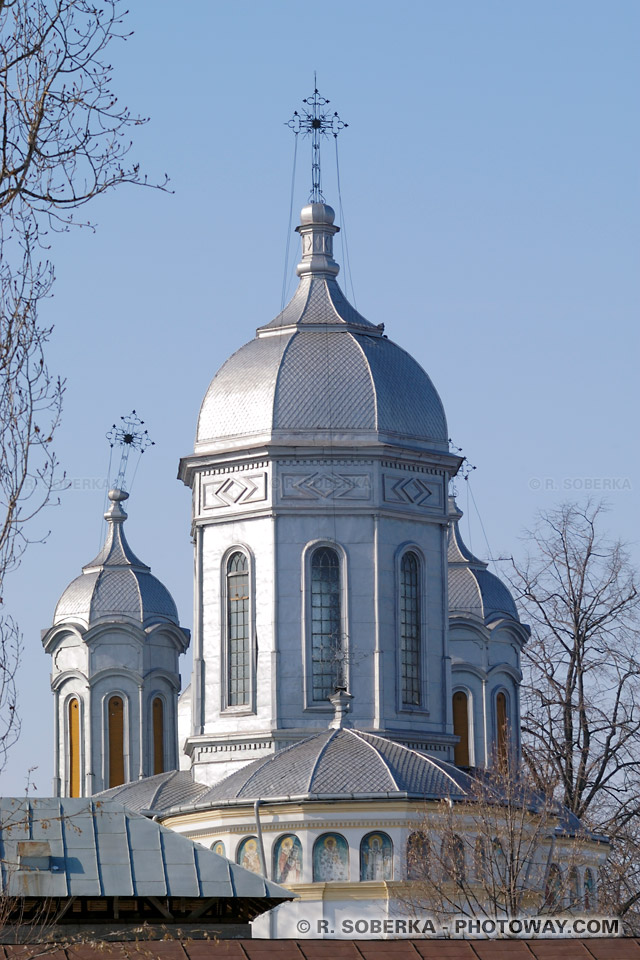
(320,370)
(474,590)
(341,764)
(116,585)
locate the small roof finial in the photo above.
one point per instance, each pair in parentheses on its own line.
(318,122)
(341,701)
(128,436)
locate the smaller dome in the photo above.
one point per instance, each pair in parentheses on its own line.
(116,584)
(473,589)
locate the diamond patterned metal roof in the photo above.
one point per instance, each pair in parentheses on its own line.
(341,764)
(96,848)
(474,590)
(321,366)
(116,584)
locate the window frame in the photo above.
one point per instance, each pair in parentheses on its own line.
(423,706)
(462,688)
(225,706)
(67,735)
(126,744)
(323,706)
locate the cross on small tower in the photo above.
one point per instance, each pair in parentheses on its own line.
(128,436)
(318,122)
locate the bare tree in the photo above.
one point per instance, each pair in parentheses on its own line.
(505,852)
(581,695)
(63,141)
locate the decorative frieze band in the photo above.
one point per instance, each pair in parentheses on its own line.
(231,491)
(325,486)
(411,491)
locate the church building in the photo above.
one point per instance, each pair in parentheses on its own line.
(352,659)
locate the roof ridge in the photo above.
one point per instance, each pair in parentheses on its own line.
(371,747)
(423,756)
(318,758)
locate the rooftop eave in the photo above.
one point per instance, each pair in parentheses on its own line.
(214,454)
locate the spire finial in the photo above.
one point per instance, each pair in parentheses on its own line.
(129,436)
(316,120)
(341,703)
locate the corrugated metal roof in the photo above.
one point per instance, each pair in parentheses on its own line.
(97,848)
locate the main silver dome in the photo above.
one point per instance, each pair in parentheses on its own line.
(116,584)
(320,373)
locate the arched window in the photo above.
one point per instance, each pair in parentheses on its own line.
(461,728)
(238,632)
(115,716)
(287,859)
(410,632)
(453,860)
(574,888)
(502,730)
(418,856)
(553,886)
(589,890)
(376,857)
(157,710)
(330,858)
(218,847)
(480,859)
(74,747)
(327,646)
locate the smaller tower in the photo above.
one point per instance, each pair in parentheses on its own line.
(115,644)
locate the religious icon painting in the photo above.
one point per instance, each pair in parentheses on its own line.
(287,860)
(376,857)
(330,858)
(218,847)
(248,855)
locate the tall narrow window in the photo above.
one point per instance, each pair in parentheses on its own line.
(502,732)
(327,647)
(158,735)
(461,728)
(238,632)
(74,748)
(115,711)
(410,639)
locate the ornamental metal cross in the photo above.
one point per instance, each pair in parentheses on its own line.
(318,122)
(129,436)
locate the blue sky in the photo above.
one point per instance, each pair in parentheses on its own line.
(491,198)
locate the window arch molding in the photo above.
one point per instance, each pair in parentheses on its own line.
(458,687)
(66,714)
(402,551)
(307,576)
(126,735)
(226,705)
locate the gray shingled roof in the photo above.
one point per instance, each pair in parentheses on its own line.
(474,590)
(116,584)
(176,788)
(54,847)
(320,366)
(340,764)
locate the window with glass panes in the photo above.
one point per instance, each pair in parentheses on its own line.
(410,639)
(327,653)
(238,635)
